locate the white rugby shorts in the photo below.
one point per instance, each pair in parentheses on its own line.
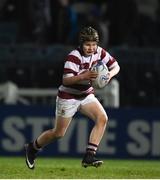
(68,107)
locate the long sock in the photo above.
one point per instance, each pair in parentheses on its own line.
(36,146)
(91,148)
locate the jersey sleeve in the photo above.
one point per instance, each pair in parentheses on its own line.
(108,59)
(71,66)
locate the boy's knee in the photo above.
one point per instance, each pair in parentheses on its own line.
(103,119)
(59,134)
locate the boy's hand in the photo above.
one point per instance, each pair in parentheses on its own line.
(89,75)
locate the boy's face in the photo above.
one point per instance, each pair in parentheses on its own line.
(89,47)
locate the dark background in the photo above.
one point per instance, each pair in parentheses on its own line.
(36,35)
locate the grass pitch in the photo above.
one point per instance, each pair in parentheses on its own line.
(69,168)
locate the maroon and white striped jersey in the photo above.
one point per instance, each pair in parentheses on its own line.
(75,64)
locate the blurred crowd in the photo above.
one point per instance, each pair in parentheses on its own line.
(120,23)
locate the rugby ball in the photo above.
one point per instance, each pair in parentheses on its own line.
(101,80)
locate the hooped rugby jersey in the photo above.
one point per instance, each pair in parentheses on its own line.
(75,64)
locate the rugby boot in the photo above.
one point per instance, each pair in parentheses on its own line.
(89,159)
(30,154)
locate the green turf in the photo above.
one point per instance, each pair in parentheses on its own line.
(63,168)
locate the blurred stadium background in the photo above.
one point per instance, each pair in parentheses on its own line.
(35,37)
